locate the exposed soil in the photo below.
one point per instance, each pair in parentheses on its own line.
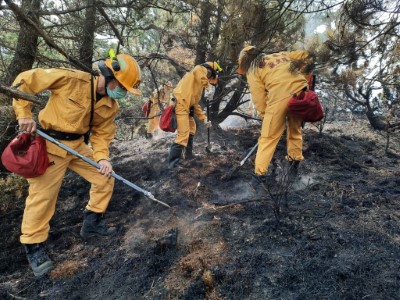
(336,234)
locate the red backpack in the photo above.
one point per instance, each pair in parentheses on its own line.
(26,155)
(168,119)
(306,106)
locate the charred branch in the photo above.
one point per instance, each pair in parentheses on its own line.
(178,67)
(17,94)
(19,13)
(110,22)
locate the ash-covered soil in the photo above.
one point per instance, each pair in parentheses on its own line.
(333,233)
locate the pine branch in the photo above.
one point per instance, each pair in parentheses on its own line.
(17,94)
(19,13)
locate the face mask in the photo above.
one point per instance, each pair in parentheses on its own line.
(116,93)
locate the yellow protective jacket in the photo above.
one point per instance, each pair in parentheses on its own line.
(273,81)
(302,57)
(154,107)
(167,99)
(69,107)
(189,90)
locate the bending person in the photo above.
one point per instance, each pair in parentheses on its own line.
(272,80)
(188,94)
(77,102)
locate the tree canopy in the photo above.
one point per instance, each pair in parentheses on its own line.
(357,56)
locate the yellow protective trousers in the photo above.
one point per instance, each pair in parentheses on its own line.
(186,124)
(186,127)
(43,192)
(273,125)
(153,117)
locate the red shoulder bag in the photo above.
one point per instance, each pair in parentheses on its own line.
(26,155)
(306,106)
(168,119)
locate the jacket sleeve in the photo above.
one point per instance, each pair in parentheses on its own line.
(199,113)
(33,82)
(298,55)
(103,130)
(258,93)
(305,61)
(200,73)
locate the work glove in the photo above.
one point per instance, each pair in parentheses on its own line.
(191,111)
(207,124)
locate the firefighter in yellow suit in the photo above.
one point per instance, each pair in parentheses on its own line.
(66,117)
(167,91)
(188,94)
(152,123)
(165,97)
(272,80)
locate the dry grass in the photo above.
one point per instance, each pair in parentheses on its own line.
(13,191)
(67,269)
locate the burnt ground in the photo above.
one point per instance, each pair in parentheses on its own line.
(337,237)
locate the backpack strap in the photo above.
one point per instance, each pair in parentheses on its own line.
(87,134)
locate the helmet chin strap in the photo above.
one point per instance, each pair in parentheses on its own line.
(107,81)
(213,72)
(107,73)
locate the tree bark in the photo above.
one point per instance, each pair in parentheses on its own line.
(87,38)
(201,47)
(27,43)
(23,60)
(376,121)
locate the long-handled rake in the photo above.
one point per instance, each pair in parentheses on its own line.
(235,169)
(208,148)
(97,166)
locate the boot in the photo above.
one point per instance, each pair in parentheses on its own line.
(94,225)
(38,258)
(175,155)
(189,148)
(277,173)
(258,183)
(293,169)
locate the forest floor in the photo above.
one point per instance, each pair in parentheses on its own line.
(338,237)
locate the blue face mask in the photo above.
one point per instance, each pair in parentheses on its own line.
(116,93)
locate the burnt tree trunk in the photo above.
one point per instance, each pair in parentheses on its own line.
(27,43)
(201,47)
(233,103)
(23,60)
(376,121)
(87,38)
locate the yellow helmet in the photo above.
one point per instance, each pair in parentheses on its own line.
(126,70)
(215,69)
(242,69)
(154,94)
(167,84)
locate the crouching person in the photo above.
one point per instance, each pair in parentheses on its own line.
(78,101)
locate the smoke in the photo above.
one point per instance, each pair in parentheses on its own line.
(318,25)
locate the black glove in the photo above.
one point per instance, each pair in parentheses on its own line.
(191,111)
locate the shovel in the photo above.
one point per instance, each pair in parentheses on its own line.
(208,148)
(235,169)
(97,166)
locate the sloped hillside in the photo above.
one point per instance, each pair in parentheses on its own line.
(336,234)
